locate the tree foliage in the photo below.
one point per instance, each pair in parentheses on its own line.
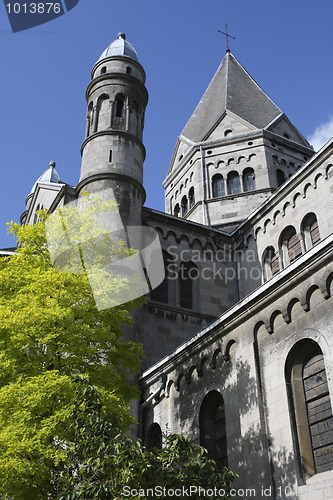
(108,464)
(65,372)
(50,332)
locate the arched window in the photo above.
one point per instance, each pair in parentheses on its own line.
(188,285)
(233,182)
(310,231)
(153,439)
(177,210)
(213,429)
(191,198)
(89,118)
(310,408)
(270,263)
(184,205)
(280,177)
(102,117)
(128,70)
(290,245)
(161,293)
(103,70)
(120,101)
(218,186)
(249,179)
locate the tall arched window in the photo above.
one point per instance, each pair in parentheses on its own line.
(184,204)
(120,101)
(290,245)
(218,186)
(188,285)
(270,263)
(161,293)
(249,179)
(213,428)
(177,210)
(233,182)
(280,177)
(310,230)
(153,439)
(102,117)
(310,408)
(89,118)
(191,198)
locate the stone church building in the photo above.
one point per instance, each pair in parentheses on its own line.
(238,336)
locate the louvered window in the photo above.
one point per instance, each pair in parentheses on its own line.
(319,412)
(249,179)
(218,186)
(314,233)
(294,248)
(234,186)
(275,264)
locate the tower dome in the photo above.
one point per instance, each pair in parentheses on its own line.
(120,47)
(49,176)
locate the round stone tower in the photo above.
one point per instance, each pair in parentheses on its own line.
(113,152)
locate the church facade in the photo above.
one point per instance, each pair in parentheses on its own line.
(238,336)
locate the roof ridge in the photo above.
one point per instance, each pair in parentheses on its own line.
(226,80)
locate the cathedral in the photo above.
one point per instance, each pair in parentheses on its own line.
(238,336)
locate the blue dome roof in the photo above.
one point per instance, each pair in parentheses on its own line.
(120,47)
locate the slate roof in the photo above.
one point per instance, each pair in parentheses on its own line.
(233,89)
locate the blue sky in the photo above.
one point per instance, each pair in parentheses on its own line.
(286,46)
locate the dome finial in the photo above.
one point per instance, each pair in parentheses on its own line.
(52,164)
(121,35)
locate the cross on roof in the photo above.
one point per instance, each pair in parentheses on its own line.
(226,35)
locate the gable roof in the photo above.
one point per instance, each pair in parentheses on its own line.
(233,89)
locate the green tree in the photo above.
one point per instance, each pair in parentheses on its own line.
(108,464)
(65,372)
(50,331)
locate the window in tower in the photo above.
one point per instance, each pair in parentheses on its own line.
(233,180)
(191,198)
(218,186)
(119,107)
(249,179)
(184,204)
(280,177)
(103,70)
(110,156)
(128,70)
(177,210)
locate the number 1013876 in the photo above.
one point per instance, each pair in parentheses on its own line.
(34,8)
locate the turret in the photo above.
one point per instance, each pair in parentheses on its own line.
(113,152)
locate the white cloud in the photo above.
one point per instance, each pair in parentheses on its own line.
(322,134)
